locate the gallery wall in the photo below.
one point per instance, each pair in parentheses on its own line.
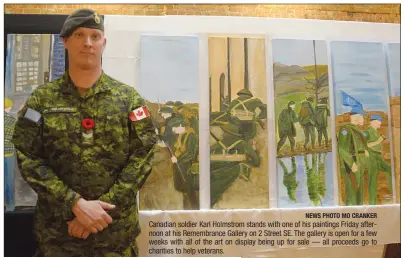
(124,58)
(381,13)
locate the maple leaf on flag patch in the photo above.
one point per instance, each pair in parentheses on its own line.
(139,114)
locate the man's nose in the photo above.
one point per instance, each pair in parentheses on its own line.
(88,42)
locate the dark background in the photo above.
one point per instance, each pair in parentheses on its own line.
(18,225)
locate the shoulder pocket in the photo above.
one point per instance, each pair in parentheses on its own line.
(145,131)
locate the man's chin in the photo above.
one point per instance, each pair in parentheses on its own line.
(87,66)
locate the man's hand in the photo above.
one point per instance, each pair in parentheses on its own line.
(92,214)
(76,229)
(354,168)
(174,159)
(367,154)
(161,143)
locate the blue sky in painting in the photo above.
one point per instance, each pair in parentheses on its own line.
(299,52)
(359,70)
(394,68)
(169,68)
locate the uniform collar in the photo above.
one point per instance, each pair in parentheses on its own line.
(101,85)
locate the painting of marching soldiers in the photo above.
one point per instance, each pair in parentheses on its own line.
(362,123)
(238,123)
(302,123)
(169,84)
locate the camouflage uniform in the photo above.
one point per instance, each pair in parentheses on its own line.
(185,174)
(286,127)
(376,164)
(352,147)
(322,113)
(61,168)
(306,119)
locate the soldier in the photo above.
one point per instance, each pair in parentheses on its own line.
(225,171)
(246,111)
(177,105)
(322,113)
(286,127)
(185,160)
(306,120)
(353,154)
(85,142)
(190,117)
(165,131)
(376,162)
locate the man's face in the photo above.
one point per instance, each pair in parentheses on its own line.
(85,47)
(358,119)
(166,115)
(375,123)
(292,106)
(179,129)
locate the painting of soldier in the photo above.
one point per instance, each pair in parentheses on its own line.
(31,60)
(238,123)
(169,82)
(302,123)
(393,54)
(363,135)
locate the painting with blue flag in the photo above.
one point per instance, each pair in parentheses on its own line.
(363,121)
(353,154)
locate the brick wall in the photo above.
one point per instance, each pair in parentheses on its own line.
(385,13)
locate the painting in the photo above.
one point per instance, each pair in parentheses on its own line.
(362,123)
(302,123)
(393,54)
(238,123)
(31,60)
(169,84)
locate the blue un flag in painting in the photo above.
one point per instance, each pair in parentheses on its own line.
(349,101)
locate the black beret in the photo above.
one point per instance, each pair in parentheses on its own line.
(86,18)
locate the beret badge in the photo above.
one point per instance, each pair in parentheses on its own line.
(96,18)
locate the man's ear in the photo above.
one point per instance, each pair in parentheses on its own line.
(64,40)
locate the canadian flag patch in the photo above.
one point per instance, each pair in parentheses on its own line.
(139,114)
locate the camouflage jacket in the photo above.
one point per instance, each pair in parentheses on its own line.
(322,113)
(351,143)
(61,166)
(286,121)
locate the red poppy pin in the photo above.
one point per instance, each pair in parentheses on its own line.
(88,123)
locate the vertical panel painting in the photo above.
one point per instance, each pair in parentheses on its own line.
(238,123)
(362,121)
(169,84)
(31,60)
(393,57)
(302,119)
